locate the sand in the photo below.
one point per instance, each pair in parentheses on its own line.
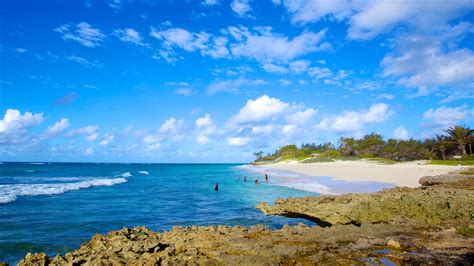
(401,174)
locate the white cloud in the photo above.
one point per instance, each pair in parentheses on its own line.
(355,120)
(210,2)
(302,116)
(260,109)
(205,128)
(20,50)
(88,131)
(284,82)
(83,33)
(240,7)
(276,2)
(181,38)
(272,68)
(106,139)
(401,133)
(58,127)
(184,91)
(314,10)
(444,117)
(385,96)
(368,19)
(378,17)
(84,62)
(171,125)
(92,137)
(299,66)
(270,47)
(14,125)
(232,85)
(88,151)
(319,72)
(237,141)
(423,64)
(129,35)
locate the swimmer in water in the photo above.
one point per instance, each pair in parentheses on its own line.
(245,178)
(257,182)
(216,187)
(266,178)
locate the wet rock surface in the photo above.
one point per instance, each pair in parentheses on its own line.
(413,236)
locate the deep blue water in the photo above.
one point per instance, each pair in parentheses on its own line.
(54,207)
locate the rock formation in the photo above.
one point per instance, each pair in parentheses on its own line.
(428,225)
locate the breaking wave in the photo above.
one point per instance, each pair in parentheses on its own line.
(9,193)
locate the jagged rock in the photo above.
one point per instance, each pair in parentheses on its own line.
(442,204)
(400,218)
(440,179)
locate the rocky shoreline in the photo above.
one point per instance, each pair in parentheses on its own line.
(429,225)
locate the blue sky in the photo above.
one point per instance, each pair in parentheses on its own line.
(215,80)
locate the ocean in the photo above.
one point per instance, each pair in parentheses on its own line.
(54,207)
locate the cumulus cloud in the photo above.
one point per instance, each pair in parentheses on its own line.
(262,108)
(354,121)
(401,133)
(14,125)
(444,117)
(58,127)
(205,128)
(83,33)
(237,141)
(240,7)
(423,62)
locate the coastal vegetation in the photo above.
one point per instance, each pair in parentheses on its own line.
(451,148)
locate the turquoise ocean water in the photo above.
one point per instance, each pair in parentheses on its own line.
(54,207)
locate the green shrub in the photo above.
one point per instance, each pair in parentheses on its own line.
(318,160)
(331,154)
(366,155)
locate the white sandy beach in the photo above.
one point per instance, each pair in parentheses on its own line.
(400,174)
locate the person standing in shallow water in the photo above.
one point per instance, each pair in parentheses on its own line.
(257,182)
(266,178)
(216,187)
(245,178)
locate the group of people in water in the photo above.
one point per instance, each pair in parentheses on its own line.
(216,186)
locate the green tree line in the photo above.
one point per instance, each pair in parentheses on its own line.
(457,141)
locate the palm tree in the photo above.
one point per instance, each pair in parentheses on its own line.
(441,144)
(460,135)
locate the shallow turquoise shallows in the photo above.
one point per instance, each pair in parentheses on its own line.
(54,207)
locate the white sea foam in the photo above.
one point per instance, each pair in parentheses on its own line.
(307,185)
(9,193)
(144,172)
(126,174)
(38,163)
(290,179)
(30,171)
